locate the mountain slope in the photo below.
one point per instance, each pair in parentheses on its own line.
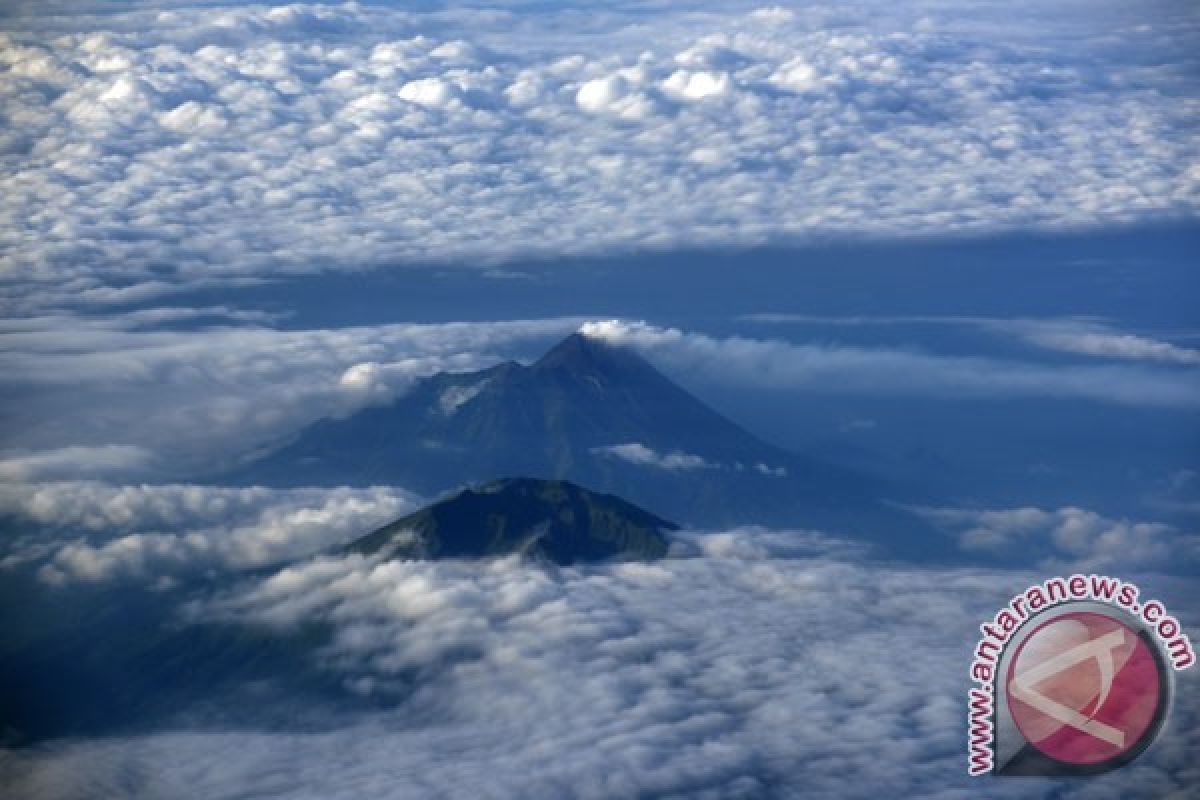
(586,411)
(551,520)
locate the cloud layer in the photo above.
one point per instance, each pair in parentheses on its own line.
(154,535)
(849,369)
(164,403)
(756,664)
(1070,538)
(145,148)
(170,404)
(1076,336)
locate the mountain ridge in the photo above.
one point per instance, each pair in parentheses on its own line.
(587,411)
(556,521)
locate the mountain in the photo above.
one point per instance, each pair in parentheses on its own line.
(587,411)
(547,520)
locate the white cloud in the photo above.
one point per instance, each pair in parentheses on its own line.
(797,75)
(88,531)
(721,672)
(812,367)
(773,15)
(640,454)
(600,93)
(429,92)
(760,664)
(254,141)
(698,85)
(1070,538)
(1103,343)
(107,460)
(193,118)
(190,401)
(1074,335)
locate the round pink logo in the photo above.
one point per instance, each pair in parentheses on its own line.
(1084,688)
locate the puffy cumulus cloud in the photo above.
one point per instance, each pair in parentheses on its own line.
(147,148)
(88,531)
(812,367)
(431,92)
(698,85)
(370,382)
(189,402)
(758,665)
(662,697)
(796,75)
(1070,538)
(616,94)
(637,453)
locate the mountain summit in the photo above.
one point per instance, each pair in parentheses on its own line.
(546,520)
(588,411)
(582,355)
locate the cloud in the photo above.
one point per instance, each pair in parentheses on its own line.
(254,141)
(93,532)
(677,460)
(109,460)
(1070,538)
(760,664)
(1102,343)
(824,368)
(637,453)
(188,402)
(1077,336)
(166,400)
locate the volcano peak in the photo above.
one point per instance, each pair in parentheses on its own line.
(580,352)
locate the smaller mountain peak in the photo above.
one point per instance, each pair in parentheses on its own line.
(551,520)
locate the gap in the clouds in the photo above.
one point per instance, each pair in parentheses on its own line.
(1139,276)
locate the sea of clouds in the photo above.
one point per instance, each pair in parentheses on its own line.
(144,148)
(751,663)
